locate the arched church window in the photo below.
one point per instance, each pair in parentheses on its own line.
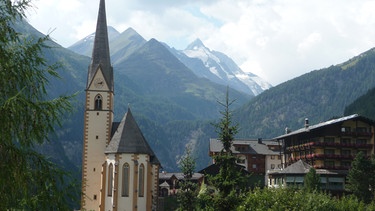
(98,102)
(125,180)
(110,179)
(141,188)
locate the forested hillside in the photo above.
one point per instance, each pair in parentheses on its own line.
(364,105)
(318,95)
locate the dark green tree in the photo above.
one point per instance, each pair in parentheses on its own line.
(231,179)
(188,190)
(372,177)
(28,181)
(312,181)
(360,177)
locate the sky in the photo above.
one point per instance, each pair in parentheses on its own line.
(277,40)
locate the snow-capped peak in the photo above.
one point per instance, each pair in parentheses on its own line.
(221,69)
(195,45)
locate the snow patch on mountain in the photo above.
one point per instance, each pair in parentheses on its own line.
(221,69)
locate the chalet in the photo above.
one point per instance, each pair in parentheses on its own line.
(169,182)
(255,156)
(293,175)
(329,147)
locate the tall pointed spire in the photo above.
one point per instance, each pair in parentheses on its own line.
(100,54)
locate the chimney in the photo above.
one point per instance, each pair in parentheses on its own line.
(306,123)
(287,130)
(259,140)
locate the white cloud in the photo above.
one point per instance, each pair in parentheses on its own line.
(277,40)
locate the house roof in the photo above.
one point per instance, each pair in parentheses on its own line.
(301,167)
(179,176)
(164,185)
(128,138)
(100,53)
(323,124)
(255,147)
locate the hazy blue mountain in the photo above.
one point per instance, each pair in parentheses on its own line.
(219,68)
(125,44)
(159,88)
(84,46)
(318,95)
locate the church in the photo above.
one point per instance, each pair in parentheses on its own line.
(119,169)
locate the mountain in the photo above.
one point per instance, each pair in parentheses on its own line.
(213,65)
(84,46)
(170,103)
(219,68)
(174,107)
(318,96)
(364,105)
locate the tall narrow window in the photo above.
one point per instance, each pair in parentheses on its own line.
(98,102)
(110,179)
(141,180)
(125,180)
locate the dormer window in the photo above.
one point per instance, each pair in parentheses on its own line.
(98,102)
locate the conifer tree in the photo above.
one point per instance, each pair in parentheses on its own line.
(230,179)
(360,177)
(188,190)
(28,180)
(312,181)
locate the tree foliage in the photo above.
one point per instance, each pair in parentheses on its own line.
(361,177)
(231,179)
(298,199)
(188,190)
(312,181)
(28,180)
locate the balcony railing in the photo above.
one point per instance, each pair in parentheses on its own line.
(332,167)
(357,133)
(323,144)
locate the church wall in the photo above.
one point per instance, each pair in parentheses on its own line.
(96,138)
(127,203)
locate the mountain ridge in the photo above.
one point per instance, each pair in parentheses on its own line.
(230,74)
(318,95)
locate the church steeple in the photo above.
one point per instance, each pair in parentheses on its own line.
(100,54)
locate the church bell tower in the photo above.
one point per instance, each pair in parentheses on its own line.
(98,116)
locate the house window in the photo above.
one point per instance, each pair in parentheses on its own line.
(125,180)
(329,151)
(141,181)
(361,129)
(254,166)
(272,166)
(345,129)
(345,141)
(346,164)
(98,102)
(361,141)
(329,140)
(346,152)
(329,163)
(272,157)
(110,179)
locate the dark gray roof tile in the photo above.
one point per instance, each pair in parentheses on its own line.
(128,138)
